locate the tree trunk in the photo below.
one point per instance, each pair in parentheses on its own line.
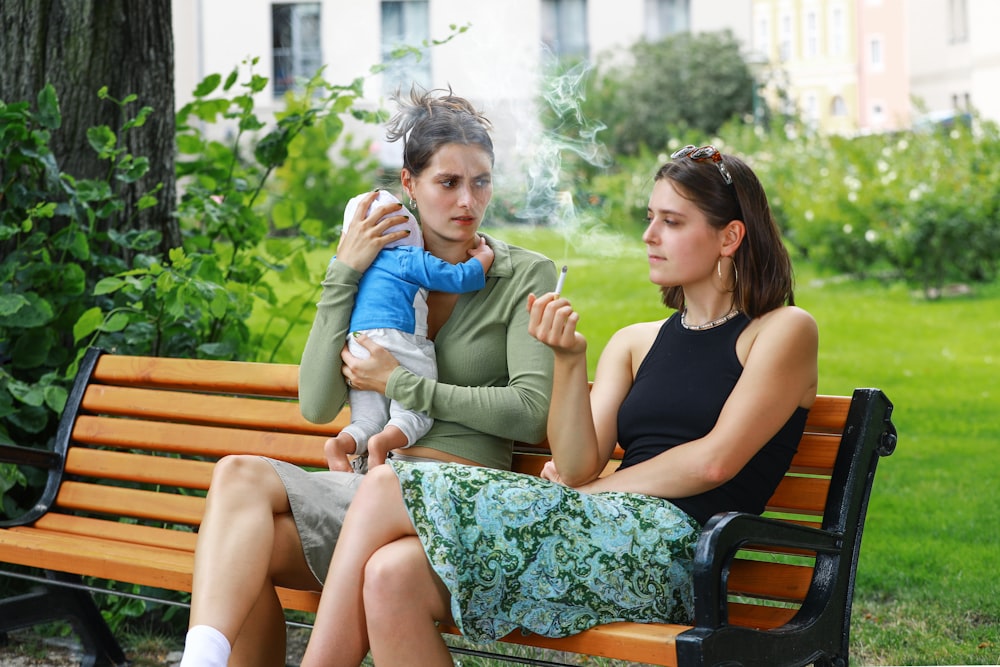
(80,46)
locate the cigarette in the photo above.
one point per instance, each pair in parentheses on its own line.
(562,279)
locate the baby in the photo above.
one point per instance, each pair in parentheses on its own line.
(391,309)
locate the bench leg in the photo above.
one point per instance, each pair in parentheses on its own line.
(53,603)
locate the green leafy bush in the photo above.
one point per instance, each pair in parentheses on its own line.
(53,250)
(917,206)
(684,84)
(68,285)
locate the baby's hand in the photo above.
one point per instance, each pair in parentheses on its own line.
(483,253)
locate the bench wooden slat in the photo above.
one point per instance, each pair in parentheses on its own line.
(643,643)
(199,440)
(169,569)
(152,536)
(307,601)
(800,495)
(135,503)
(146,565)
(105,464)
(828,414)
(816,454)
(759,616)
(192,408)
(771,581)
(235,377)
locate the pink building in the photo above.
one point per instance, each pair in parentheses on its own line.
(884,95)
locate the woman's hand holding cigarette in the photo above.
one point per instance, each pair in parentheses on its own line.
(552,321)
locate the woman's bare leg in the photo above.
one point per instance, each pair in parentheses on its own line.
(377,517)
(401,585)
(247,541)
(266,620)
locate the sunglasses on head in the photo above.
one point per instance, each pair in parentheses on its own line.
(705,153)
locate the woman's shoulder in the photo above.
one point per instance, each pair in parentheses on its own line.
(526,270)
(641,328)
(785,318)
(628,346)
(639,335)
(517,253)
(784,328)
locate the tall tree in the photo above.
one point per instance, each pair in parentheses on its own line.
(80,46)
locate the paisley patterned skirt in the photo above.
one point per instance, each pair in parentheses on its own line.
(517,551)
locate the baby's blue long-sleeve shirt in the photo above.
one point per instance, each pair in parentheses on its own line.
(392,293)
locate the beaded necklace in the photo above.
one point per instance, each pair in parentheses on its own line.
(708,325)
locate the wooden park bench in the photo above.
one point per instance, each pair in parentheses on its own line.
(134,456)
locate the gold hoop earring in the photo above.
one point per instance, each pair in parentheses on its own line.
(736,273)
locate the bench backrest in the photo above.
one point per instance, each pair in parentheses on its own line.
(148,431)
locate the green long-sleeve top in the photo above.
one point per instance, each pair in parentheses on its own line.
(494,380)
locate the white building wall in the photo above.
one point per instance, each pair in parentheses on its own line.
(939,67)
(984,18)
(944,72)
(716,15)
(614,24)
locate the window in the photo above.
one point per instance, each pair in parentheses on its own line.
(405,23)
(811,34)
(810,108)
(763,36)
(564,27)
(785,40)
(958,18)
(838,31)
(876,56)
(295,32)
(838,107)
(877,114)
(667,17)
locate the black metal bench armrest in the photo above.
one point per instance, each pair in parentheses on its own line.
(40,458)
(54,460)
(723,536)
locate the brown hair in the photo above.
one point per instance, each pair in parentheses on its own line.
(430,119)
(763,267)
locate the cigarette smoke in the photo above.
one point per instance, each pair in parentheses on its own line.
(549,189)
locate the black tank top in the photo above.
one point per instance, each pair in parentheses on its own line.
(677,396)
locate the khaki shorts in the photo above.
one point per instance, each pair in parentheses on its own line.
(319,502)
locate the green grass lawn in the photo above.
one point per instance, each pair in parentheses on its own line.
(927,589)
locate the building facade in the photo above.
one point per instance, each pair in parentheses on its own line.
(954,57)
(499,61)
(861,66)
(848,66)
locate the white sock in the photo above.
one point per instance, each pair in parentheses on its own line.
(205,646)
